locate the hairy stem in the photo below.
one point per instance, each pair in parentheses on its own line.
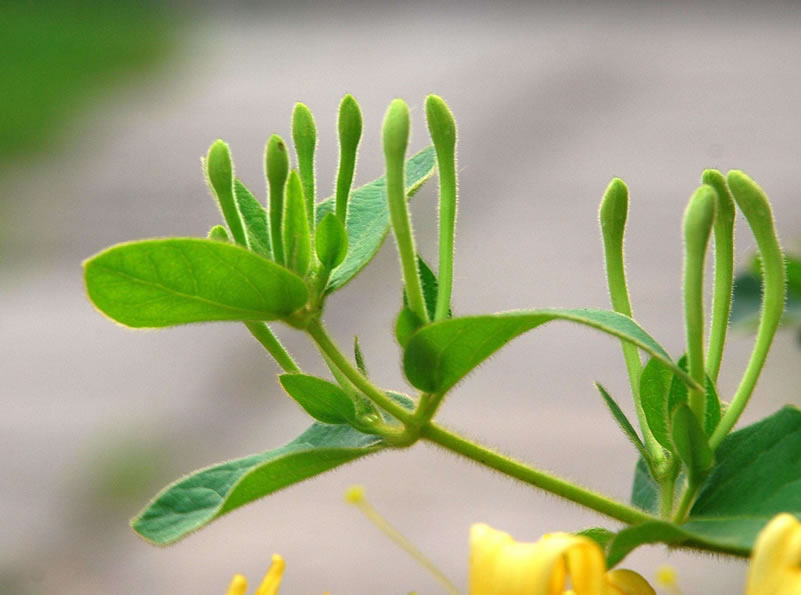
(327,346)
(535,477)
(265,336)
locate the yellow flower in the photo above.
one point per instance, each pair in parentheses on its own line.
(776,562)
(270,584)
(499,565)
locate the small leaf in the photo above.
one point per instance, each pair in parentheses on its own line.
(406,325)
(630,538)
(623,422)
(368,216)
(331,241)
(599,535)
(157,283)
(430,286)
(691,444)
(196,500)
(323,400)
(655,382)
(254,217)
(357,354)
(442,353)
(678,395)
(295,231)
(644,490)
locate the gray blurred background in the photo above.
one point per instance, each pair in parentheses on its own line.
(551,102)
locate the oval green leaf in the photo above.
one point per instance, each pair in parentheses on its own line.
(323,400)
(442,353)
(196,500)
(158,283)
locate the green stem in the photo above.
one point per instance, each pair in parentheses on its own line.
(271,343)
(396,138)
(687,499)
(526,474)
(327,346)
(667,489)
(756,208)
(613,214)
(724,272)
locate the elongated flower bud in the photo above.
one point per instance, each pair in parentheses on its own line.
(699,217)
(754,204)
(349,126)
(304,135)
(219,234)
(276,167)
(395,140)
(442,128)
(220,174)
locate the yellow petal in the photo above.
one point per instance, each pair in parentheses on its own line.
(628,582)
(272,580)
(776,561)
(499,565)
(238,586)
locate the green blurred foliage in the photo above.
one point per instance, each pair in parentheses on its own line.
(748,295)
(57,56)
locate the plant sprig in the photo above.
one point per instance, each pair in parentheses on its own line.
(281,260)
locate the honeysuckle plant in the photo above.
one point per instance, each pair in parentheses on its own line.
(698,483)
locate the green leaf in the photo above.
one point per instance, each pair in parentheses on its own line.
(357,355)
(623,422)
(757,475)
(157,283)
(368,216)
(630,538)
(678,395)
(644,490)
(691,444)
(196,500)
(599,535)
(295,231)
(654,386)
(440,354)
(747,296)
(254,217)
(323,400)
(406,324)
(430,285)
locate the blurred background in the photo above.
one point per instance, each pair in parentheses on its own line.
(105,110)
